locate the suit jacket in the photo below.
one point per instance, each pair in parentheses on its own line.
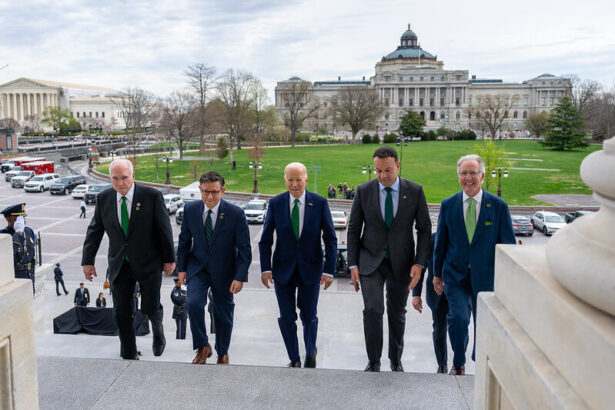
(57,273)
(101,303)
(455,257)
(368,235)
(149,242)
(229,255)
(82,300)
(304,254)
(433,299)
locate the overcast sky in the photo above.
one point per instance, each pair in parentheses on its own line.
(150,43)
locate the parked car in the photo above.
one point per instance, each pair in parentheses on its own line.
(90,196)
(40,183)
(19,180)
(256,211)
(547,222)
(340,219)
(80,190)
(571,216)
(179,215)
(522,225)
(11,173)
(173,202)
(65,185)
(341,261)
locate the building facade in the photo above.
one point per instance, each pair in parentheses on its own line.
(410,78)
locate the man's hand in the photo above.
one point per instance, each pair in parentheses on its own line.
(182,277)
(417,303)
(438,285)
(236,286)
(89,271)
(415,275)
(168,268)
(327,280)
(354,277)
(267,278)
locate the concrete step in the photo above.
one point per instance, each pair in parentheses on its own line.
(85,383)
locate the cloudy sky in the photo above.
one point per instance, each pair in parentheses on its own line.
(149,43)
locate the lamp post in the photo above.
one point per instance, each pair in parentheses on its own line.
(498,172)
(316,170)
(256,165)
(401,139)
(167,160)
(156,168)
(367,169)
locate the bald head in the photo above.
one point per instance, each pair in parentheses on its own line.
(122,175)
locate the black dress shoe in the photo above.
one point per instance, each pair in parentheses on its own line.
(139,353)
(373,366)
(159,342)
(397,367)
(442,369)
(135,357)
(310,361)
(294,363)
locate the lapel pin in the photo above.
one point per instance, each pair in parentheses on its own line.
(138,206)
(221,216)
(310,204)
(488,223)
(488,205)
(404,196)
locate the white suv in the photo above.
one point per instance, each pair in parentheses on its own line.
(547,222)
(256,211)
(40,183)
(173,202)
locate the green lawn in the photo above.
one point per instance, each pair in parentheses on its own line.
(432,164)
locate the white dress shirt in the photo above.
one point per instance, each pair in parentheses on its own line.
(478,198)
(214,215)
(129,195)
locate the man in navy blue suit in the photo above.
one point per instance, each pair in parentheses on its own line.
(471,223)
(299,218)
(213,252)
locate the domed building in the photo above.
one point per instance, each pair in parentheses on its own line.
(411,78)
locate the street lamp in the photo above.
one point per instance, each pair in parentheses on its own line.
(256,165)
(167,160)
(498,172)
(402,139)
(316,170)
(368,170)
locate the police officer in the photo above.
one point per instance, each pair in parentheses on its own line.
(178,296)
(24,250)
(10,214)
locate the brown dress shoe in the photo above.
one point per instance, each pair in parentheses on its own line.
(201,355)
(222,359)
(458,371)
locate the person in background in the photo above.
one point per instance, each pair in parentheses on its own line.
(24,251)
(101,302)
(82,296)
(83,207)
(178,297)
(58,277)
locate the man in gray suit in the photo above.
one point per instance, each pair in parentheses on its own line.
(381,251)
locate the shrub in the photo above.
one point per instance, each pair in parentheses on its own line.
(429,136)
(375,139)
(366,139)
(390,138)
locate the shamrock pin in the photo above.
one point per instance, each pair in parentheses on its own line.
(488,223)
(138,206)
(488,205)
(221,216)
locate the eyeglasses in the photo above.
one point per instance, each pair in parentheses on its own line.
(471,173)
(212,193)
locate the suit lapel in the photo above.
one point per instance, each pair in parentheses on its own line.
(376,203)
(116,221)
(136,199)
(219,221)
(401,197)
(458,215)
(201,232)
(308,209)
(485,206)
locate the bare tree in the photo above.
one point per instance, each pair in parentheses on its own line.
(236,92)
(179,119)
(298,104)
(603,123)
(256,153)
(264,115)
(584,96)
(201,79)
(357,107)
(538,123)
(137,108)
(9,124)
(491,111)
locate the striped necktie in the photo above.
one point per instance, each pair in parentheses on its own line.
(208,228)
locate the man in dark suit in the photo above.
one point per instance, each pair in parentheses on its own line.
(213,252)
(136,221)
(471,223)
(439,309)
(381,252)
(82,296)
(299,218)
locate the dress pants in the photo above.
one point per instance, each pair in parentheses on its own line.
(180,333)
(307,301)
(223,308)
(58,282)
(123,287)
(439,321)
(373,298)
(460,295)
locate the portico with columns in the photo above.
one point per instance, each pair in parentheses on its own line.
(23,97)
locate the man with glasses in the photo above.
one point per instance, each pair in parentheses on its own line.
(471,223)
(213,252)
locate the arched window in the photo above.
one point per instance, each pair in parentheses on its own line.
(515,114)
(422,114)
(432,116)
(457,115)
(524,114)
(441,115)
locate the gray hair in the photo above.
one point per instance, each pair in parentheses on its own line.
(472,157)
(295,165)
(121,161)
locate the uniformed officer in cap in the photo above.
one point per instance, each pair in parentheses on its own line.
(24,250)
(178,296)
(10,214)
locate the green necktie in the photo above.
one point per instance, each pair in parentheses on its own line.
(125,220)
(294,219)
(209,231)
(471,219)
(388,207)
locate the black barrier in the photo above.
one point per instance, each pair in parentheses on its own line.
(95,321)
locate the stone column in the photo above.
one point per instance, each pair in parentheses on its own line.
(29,110)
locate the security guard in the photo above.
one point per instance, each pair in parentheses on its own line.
(10,214)
(178,296)
(24,250)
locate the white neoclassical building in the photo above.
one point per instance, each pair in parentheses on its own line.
(91,106)
(410,78)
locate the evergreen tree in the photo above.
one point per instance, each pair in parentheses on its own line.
(565,127)
(412,124)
